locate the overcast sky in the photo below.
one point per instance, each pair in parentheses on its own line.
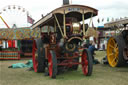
(107,8)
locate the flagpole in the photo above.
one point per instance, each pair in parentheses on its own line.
(27,19)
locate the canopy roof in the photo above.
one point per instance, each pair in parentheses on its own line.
(75,11)
(117,23)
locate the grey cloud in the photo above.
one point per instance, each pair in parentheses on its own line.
(115,5)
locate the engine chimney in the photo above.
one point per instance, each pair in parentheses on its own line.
(65,2)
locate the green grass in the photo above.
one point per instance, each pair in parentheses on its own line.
(102,75)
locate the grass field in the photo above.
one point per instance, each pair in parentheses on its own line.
(102,75)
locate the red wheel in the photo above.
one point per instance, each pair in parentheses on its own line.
(34,56)
(52,64)
(87,63)
(38,56)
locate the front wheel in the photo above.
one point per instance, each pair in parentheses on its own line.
(38,56)
(52,64)
(87,62)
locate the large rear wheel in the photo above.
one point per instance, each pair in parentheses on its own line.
(115,48)
(52,64)
(87,62)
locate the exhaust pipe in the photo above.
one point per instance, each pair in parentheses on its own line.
(65,2)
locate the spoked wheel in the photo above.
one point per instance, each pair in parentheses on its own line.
(38,57)
(115,48)
(52,64)
(87,62)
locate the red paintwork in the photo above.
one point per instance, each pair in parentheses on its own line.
(70,63)
(50,64)
(35,63)
(84,63)
(6,57)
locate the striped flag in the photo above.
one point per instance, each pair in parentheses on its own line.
(102,19)
(30,20)
(112,19)
(107,19)
(98,20)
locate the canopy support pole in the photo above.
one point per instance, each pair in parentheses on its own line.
(90,20)
(83,23)
(54,26)
(64,24)
(59,25)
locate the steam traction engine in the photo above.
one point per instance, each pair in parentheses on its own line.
(60,45)
(117,46)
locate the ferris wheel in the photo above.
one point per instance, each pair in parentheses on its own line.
(15,16)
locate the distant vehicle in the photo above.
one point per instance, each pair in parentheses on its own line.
(117,46)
